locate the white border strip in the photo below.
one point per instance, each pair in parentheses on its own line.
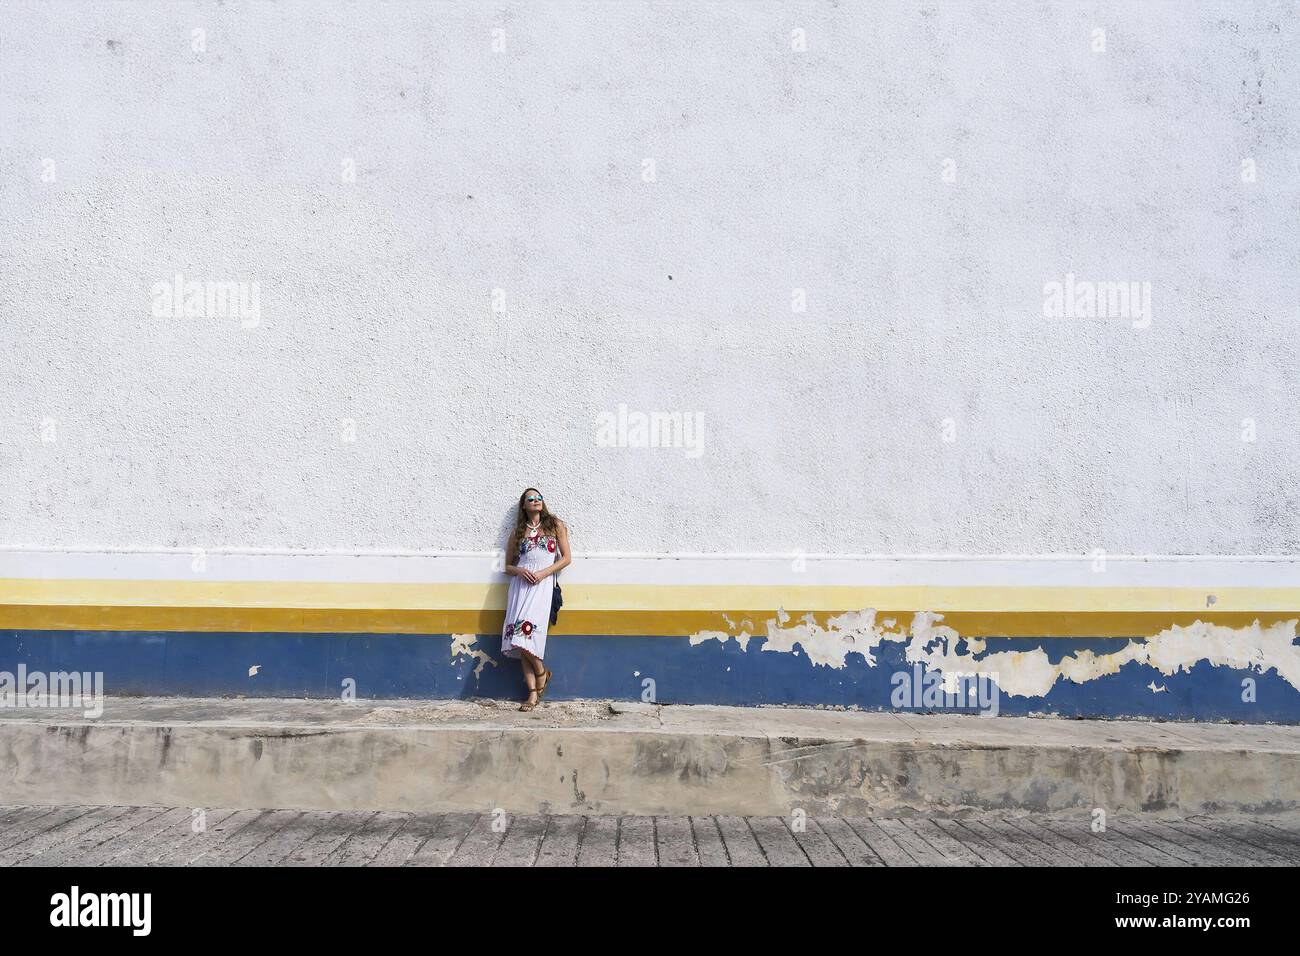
(658,555)
(1191,571)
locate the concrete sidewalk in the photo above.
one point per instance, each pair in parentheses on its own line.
(602,757)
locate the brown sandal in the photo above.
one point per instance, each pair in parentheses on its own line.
(526,706)
(541,691)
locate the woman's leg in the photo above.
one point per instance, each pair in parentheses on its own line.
(531,680)
(539,670)
(535,662)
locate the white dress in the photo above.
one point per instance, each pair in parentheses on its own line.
(528,606)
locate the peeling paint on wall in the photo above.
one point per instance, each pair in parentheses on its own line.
(1029,673)
(855,632)
(743,638)
(461,645)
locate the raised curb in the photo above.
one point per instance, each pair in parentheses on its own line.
(586,757)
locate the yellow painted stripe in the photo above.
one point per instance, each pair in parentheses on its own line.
(578,621)
(657,624)
(639,598)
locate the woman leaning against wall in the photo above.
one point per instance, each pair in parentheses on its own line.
(538,548)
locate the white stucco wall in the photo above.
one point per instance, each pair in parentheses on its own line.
(127,157)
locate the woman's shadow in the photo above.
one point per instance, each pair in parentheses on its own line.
(504,679)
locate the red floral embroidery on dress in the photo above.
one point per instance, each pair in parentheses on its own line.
(522,627)
(536,541)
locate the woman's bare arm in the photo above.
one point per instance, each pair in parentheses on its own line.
(512,552)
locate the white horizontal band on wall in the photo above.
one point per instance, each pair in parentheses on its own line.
(1128,571)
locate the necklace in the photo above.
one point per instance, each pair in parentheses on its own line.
(533,527)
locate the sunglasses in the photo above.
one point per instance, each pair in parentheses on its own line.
(531,498)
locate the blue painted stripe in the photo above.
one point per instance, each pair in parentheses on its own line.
(420,666)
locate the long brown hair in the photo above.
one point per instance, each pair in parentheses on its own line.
(549,523)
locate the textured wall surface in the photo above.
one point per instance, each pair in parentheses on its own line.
(919,170)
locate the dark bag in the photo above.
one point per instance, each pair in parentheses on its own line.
(557,600)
